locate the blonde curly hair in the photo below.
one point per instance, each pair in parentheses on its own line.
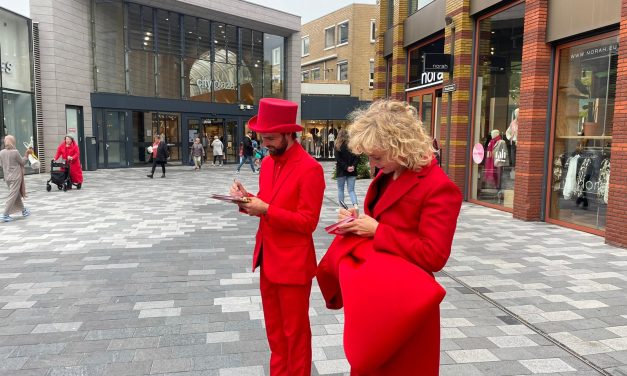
(392,127)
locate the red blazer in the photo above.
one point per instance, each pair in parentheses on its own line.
(286,230)
(417,217)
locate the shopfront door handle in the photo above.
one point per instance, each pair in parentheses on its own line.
(107,146)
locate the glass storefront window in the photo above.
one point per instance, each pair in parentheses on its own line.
(197,79)
(141,73)
(167,126)
(582,139)
(416,76)
(315,136)
(273,68)
(495,123)
(18,116)
(15,67)
(169,79)
(109,42)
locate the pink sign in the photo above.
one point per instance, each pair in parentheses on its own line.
(477,153)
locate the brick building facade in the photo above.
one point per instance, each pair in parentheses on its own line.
(337,72)
(535,124)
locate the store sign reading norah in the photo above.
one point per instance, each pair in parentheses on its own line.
(6,67)
(609,49)
(206,83)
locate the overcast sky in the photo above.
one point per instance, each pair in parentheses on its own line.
(307,10)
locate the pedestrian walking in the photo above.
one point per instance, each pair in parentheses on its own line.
(218,149)
(386,258)
(345,168)
(12,164)
(291,188)
(159,156)
(68,150)
(198,152)
(248,150)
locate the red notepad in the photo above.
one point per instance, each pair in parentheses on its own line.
(229,198)
(334,228)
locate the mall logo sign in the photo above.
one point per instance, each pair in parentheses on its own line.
(205,83)
(6,67)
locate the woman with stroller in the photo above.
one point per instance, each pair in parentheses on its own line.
(12,164)
(68,151)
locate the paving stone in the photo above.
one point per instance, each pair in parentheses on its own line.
(172,286)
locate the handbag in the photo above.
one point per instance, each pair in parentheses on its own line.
(34,162)
(386,298)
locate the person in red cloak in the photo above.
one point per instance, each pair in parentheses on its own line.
(380,267)
(291,189)
(68,150)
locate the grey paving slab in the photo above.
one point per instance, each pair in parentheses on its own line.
(153,277)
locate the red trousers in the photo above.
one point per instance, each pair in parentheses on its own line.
(286,311)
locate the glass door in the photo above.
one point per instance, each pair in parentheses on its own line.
(110,128)
(423,101)
(167,125)
(231,130)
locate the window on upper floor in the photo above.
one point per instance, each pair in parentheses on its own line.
(342,33)
(371,77)
(390,15)
(342,71)
(416,5)
(304,76)
(315,74)
(305,46)
(373,31)
(329,37)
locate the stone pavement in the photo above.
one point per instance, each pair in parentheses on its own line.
(132,276)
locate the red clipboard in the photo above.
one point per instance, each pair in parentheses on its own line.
(334,228)
(228,198)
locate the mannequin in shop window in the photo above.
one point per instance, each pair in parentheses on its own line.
(512,135)
(331,141)
(309,142)
(496,158)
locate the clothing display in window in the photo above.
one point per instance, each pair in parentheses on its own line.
(587,174)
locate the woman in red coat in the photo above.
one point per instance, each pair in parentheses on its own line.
(68,150)
(381,267)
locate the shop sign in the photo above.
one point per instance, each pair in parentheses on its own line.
(433,62)
(589,53)
(431,78)
(478,153)
(6,67)
(205,83)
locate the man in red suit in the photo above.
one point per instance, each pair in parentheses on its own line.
(291,188)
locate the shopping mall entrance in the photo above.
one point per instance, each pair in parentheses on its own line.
(201,126)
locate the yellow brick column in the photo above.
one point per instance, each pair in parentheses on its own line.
(379,65)
(398,58)
(455,158)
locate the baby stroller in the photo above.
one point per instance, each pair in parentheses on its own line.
(60,176)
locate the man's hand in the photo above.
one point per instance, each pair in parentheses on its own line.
(255,207)
(237,189)
(365,226)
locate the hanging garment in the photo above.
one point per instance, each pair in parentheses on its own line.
(492,174)
(571,177)
(557,173)
(583,176)
(604,180)
(501,158)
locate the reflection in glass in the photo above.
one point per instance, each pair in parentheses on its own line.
(499,56)
(142,73)
(167,125)
(15,71)
(109,41)
(18,116)
(169,83)
(115,138)
(273,53)
(583,132)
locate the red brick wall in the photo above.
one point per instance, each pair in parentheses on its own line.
(534,97)
(616,229)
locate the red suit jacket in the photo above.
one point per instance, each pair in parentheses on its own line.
(284,238)
(417,216)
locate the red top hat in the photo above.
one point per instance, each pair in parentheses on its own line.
(275,116)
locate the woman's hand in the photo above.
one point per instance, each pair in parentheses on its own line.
(344,213)
(365,226)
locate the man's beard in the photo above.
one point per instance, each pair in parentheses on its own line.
(276,152)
